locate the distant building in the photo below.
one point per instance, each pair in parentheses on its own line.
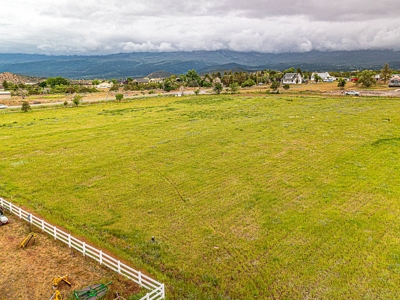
(141,80)
(156,80)
(292,78)
(104,85)
(394,81)
(5,95)
(325,76)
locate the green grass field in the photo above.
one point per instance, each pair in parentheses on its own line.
(277,197)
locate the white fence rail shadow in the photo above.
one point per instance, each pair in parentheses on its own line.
(156,289)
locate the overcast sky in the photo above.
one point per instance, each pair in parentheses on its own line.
(113,26)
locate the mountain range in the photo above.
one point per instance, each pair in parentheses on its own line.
(139,64)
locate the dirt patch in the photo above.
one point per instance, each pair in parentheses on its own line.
(28,273)
(370,93)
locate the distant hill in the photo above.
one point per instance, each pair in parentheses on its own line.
(141,64)
(225,67)
(160,74)
(14,78)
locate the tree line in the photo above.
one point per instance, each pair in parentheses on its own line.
(217,80)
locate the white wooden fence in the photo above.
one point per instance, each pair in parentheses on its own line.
(156,289)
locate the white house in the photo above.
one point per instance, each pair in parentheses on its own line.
(104,85)
(292,78)
(325,76)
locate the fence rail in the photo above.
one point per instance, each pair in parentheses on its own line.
(156,289)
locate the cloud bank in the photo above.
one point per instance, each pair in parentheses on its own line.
(113,26)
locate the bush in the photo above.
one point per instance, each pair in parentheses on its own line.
(218,88)
(119,97)
(26,106)
(234,87)
(248,83)
(286,86)
(77,100)
(275,85)
(341,83)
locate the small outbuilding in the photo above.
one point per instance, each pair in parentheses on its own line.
(5,95)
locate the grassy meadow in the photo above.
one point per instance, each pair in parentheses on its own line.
(248,197)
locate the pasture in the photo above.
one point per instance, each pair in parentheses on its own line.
(247,197)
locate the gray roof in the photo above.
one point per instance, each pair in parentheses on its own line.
(290,76)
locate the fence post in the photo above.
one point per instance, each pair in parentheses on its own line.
(55,232)
(83,248)
(119,267)
(19,212)
(101,257)
(42,225)
(163,291)
(140,279)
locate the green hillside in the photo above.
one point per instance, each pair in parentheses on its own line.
(140,64)
(277,197)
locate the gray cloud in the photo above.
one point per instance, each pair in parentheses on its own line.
(101,27)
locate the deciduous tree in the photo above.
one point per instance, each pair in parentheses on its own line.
(248,83)
(366,78)
(275,85)
(77,100)
(386,72)
(53,81)
(218,88)
(234,87)
(317,78)
(341,83)
(119,97)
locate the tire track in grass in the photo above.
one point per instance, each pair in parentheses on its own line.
(171,182)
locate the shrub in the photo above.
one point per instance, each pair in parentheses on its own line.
(217,88)
(26,106)
(119,97)
(234,87)
(248,83)
(275,85)
(77,100)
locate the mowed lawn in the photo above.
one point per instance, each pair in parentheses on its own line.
(276,197)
